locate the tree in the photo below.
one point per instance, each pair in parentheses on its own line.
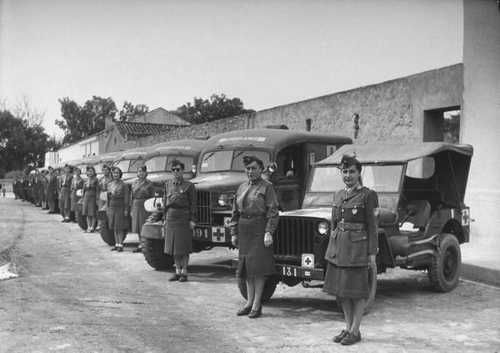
(21,143)
(214,108)
(129,110)
(82,121)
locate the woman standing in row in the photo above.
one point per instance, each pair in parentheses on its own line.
(254,220)
(76,184)
(89,207)
(65,196)
(352,248)
(180,218)
(142,189)
(117,207)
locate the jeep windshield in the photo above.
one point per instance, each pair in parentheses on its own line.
(162,163)
(381,178)
(229,160)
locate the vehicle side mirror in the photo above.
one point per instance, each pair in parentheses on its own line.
(271,168)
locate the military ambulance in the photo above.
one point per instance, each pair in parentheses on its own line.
(288,157)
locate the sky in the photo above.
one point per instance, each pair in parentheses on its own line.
(165,52)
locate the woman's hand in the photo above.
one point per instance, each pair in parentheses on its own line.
(268,239)
(192,224)
(234,241)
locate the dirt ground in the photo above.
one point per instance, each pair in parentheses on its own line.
(74,295)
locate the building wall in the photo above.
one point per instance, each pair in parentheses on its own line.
(481,116)
(391,111)
(111,141)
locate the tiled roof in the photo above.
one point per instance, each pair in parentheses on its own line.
(132,129)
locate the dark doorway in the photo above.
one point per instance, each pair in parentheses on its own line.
(442,125)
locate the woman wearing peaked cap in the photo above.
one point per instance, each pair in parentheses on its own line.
(180,218)
(142,189)
(352,248)
(254,220)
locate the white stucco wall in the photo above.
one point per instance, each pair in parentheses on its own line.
(481,117)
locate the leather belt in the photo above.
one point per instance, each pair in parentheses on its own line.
(250,216)
(343,226)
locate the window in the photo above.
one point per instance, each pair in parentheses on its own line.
(230,160)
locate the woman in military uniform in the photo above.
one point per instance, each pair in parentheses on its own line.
(352,248)
(52,190)
(254,220)
(65,196)
(142,189)
(180,218)
(89,203)
(76,184)
(117,207)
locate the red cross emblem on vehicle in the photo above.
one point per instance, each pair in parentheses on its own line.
(308,260)
(218,234)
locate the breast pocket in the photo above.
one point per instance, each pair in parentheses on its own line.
(359,247)
(331,250)
(355,213)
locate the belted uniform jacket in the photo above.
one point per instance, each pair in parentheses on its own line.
(354,228)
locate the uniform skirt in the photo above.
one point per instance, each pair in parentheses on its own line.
(138,214)
(178,234)
(254,258)
(347,282)
(116,218)
(89,206)
(65,198)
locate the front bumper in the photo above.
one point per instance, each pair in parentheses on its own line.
(292,271)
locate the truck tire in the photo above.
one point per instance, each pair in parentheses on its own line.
(444,271)
(153,250)
(269,288)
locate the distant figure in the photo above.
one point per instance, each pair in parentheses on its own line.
(3,190)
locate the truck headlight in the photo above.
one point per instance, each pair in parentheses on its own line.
(224,200)
(323,227)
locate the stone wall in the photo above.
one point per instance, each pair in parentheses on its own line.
(390,111)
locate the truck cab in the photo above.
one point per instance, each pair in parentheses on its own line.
(287,155)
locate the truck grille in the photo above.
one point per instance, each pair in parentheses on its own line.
(294,237)
(203,207)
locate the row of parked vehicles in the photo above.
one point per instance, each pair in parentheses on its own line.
(422,218)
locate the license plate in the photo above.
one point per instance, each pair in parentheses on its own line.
(218,235)
(293,271)
(202,233)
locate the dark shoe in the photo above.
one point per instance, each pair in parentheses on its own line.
(137,250)
(255,313)
(244,311)
(183,278)
(175,277)
(119,248)
(350,338)
(340,336)
(114,248)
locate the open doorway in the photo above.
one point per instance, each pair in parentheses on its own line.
(442,124)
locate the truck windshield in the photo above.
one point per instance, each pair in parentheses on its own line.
(217,161)
(162,163)
(129,165)
(381,178)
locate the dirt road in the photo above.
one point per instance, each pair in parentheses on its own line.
(74,295)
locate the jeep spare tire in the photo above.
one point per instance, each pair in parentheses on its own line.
(444,271)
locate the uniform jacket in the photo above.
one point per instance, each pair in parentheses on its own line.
(354,234)
(142,189)
(118,194)
(255,199)
(180,195)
